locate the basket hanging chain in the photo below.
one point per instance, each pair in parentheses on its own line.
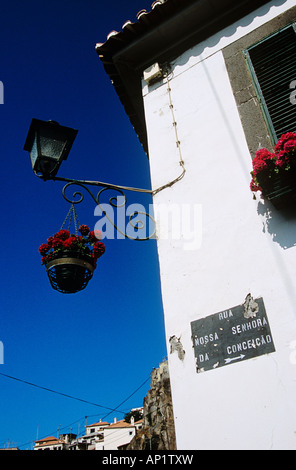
(71,214)
(75,217)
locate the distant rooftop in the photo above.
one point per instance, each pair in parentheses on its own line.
(124,424)
(99,423)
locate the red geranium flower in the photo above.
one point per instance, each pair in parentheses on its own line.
(43,249)
(62,234)
(57,243)
(99,249)
(50,240)
(270,167)
(289,136)
(95,235)
(283,159)
(70,242)
(83,229)
(85,244)
(262,159)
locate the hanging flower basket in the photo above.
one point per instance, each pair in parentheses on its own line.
(70,260)
(274,174)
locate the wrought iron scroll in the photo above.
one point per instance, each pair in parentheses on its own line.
(137,224)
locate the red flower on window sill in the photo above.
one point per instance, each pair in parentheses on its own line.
(274,174)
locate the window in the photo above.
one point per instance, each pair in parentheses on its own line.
(272,65)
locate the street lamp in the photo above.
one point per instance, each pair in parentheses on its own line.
(48,144)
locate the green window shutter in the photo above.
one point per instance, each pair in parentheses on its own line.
(272,64)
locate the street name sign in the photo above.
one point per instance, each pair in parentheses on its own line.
(230,336)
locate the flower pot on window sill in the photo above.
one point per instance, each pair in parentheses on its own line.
(282,190)
(274,173)
(70,271)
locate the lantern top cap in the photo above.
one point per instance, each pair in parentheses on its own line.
(37,125)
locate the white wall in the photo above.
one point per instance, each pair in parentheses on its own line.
(247,405)
(115,437)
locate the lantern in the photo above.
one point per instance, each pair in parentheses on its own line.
(48,144)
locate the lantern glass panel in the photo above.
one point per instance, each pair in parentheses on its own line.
(52,148)
(34,151)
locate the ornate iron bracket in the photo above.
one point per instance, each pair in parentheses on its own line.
(137,223)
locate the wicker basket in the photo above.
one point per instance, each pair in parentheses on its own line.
(70,272)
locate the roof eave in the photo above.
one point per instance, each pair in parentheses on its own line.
(161,35)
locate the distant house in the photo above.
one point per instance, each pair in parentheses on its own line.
(9,448)
(91,429)
(98,436)
(119,434)
(93,437)
(106,436)
(63,442)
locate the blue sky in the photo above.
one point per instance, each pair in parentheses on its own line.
(101,344)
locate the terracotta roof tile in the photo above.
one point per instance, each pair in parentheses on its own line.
(120,424)
(123,424)
(48,441)
(100,423)
(140,16)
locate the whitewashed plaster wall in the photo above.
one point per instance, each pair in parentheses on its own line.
(115,437)
(246,247)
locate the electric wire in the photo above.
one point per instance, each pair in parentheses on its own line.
(60,393)
(117,408)
(159,408)
(74,398)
